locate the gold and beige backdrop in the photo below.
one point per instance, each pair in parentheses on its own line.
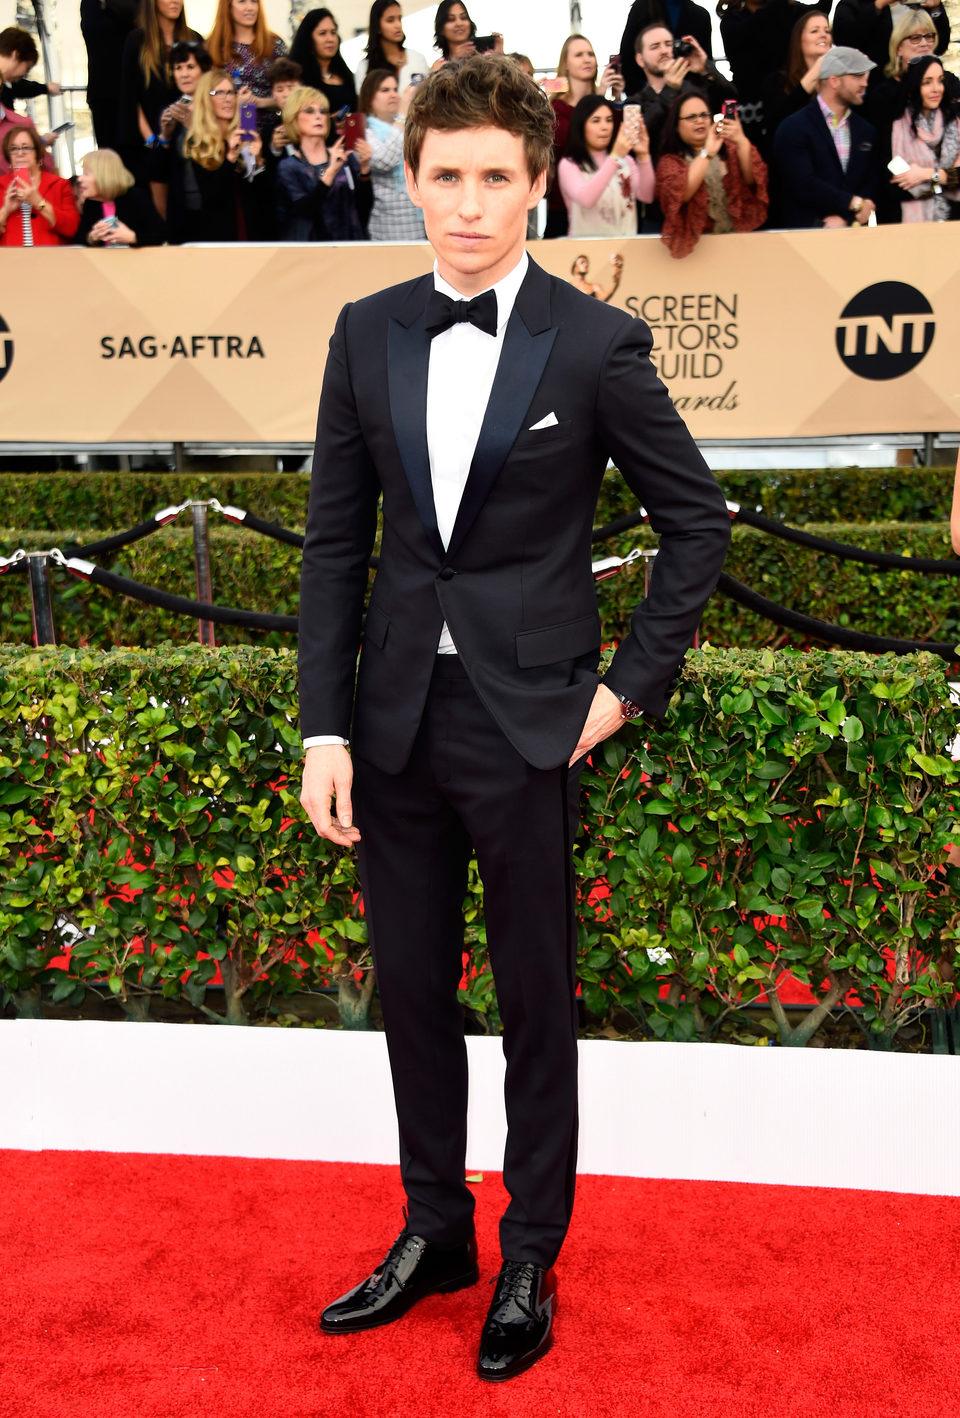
(768,335)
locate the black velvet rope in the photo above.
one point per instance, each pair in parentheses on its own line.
(824,630)
(120,539)
(618,525)
(888,561)
(183,605)
(272,529)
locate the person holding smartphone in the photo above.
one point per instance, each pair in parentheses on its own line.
(710,177)
(606,170)
(455,34)
(229,195)
(577,74)
(36,207)
(926,145)
(243,45)
(114,212)
(323,191)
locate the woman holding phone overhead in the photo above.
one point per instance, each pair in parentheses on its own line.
(36,207)
(386,46)
(323,191)
(316,48)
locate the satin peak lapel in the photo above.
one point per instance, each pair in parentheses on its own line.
(522,362)
(408,361)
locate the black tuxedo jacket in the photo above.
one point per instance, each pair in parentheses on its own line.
(812,183)
(515,584)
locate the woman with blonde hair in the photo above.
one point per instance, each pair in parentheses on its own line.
(323,192)
(146,82)
(229,196)
(577,71)
(242,44)
(114,212)
(913,36)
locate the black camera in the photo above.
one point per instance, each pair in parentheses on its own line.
(682,48)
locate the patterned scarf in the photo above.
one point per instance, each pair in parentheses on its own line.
(934,144)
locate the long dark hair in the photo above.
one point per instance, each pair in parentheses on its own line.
(304,54)
(577,136)
(376,59)
(910,97)
(670,140)
(443,14)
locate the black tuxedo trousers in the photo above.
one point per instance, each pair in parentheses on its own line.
(465,784)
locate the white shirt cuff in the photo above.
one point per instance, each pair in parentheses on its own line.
(315,740)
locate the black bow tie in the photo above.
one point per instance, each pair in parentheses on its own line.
(442,312)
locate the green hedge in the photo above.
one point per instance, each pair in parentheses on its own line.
(789,816)
(259,574)
(96,501)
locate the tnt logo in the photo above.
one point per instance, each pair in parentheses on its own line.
(6,348)
(885,330)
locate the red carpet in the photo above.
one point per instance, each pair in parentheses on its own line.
(155,1287)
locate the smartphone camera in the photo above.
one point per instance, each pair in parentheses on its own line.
(729,109)
(483,43)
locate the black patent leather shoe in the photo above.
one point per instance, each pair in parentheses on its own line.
(518,1328)
(412,1269)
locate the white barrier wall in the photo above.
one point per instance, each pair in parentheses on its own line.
(817,1117)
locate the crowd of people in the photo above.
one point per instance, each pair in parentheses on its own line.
(838,122)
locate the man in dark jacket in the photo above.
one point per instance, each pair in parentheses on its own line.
(825,156)
(665,77)
(477,698)
(681,17)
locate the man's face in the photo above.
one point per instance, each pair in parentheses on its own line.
(656,53)
(474,190)
(851,89)
(12,67)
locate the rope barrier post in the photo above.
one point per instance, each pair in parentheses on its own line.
(41,603)
(928,441)
(201,561)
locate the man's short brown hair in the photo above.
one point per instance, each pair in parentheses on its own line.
(14,40)
(482,91)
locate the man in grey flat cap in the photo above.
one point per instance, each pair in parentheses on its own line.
(826,156)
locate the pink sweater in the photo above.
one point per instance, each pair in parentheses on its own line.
(586,190)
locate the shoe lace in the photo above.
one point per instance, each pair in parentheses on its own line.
(514,1284)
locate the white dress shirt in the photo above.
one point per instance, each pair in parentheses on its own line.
(463,365)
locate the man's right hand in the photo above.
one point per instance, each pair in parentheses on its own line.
(328,778)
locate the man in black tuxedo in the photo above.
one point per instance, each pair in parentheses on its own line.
(481,404)
(825,157)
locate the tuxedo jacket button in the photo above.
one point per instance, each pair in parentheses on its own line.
(447,574)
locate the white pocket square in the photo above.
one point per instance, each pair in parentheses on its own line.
(547,422)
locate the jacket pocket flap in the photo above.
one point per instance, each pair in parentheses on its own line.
(558,642)
(375,627)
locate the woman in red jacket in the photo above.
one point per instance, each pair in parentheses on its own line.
(36,207)
(710,177)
